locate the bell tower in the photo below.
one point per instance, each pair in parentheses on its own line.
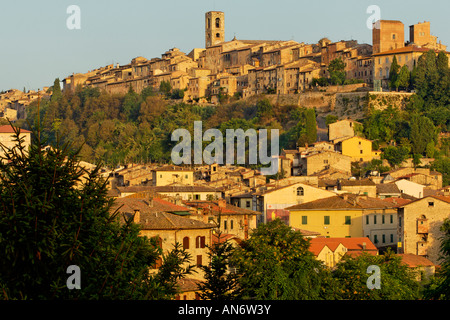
(214,28)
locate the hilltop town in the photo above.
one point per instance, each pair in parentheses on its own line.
(318,190)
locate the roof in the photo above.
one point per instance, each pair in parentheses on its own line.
(413,261)
(225,237)
(129,205)
(350,183)
(397,202)
(352,244)
(172,168)
(9,129)
(407,49)
(387,188)
(346,201)
(441,198)
(216,208)
(188,284)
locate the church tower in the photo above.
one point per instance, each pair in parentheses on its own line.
(214,28)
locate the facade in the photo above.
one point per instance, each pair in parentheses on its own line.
(7,137)
(273,202)
(318,162)
(339,216)
(157,221)
(342,129)
(410,188)
(359,149)
(168,175)
(419,224)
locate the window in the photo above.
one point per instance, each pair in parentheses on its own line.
(199,260)
(393,36)
(325,161)
(185,176)
(375,239)
(217,35)
(382,219)
(400,221)
(367,219)
(383,238)
(247,203)
(186,243)
(196,196)
(300,191)
(225,224)
(392,237)
(217,23)
(231,224)
(431,204)
(304,219)
(200,242)
(348,220)
(360,151)
(392,218)
(374,219)
(326,220)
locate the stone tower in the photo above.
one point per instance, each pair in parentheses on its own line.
(214,28)
(388,35)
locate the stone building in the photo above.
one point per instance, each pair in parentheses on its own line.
(419,226)
(7,138)
(388,35)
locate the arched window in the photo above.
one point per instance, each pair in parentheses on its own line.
(300,191)
(217,22)
(186,243)
(217,35)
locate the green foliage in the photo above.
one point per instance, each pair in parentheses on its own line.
(219,284)
(165,87)
(422,133)
(336,70)
(56,90)
(397,281)
(395,155)
(55,214)
(275,264)
(394,74)
(311,126)
(442,165)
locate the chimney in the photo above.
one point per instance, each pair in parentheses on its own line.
(137,216)
(364,246)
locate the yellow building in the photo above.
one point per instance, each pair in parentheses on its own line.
(273,202)
(359,149)
(338,216)
(167,175)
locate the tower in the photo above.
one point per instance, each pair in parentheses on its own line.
(388,35)
(214,28)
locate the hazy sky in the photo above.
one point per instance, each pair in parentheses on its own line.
(37,47)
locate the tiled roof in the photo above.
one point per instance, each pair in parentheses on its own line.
(387,188)
(214,208)
(413,260)
(344,201)
(350,183)
(9,129)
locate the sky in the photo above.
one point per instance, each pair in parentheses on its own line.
(37,46)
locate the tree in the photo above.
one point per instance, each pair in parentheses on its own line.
(311,125)
(165,87)
(397,281)
(403,78)
(336,70)
(219,284)
(422,133)
(54,214)
(394,73)
(275,263)
(395,155)
(56,90)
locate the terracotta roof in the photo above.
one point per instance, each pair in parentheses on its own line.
(442,198)
(407,49)
(225,237)
(397,202)
(187,284)
(129,205)
(344,201)
(9,129)
(413,260)
(352,244)
(214,208)
(172,168)
(349,183)
(390,188)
